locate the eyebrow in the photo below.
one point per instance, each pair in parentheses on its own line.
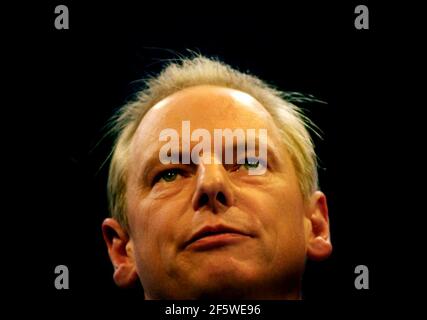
(153,161)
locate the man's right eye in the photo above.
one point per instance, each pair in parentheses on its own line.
(167,176)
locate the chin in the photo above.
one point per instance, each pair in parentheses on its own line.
(229,271)
(226,284)
(244,281)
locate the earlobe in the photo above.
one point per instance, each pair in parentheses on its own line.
(319,246)
(121,253)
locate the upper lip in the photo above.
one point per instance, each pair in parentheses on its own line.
(211,230)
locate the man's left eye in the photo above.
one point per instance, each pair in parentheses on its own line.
(251,164)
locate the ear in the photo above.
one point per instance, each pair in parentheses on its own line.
(319,245)
(120,250)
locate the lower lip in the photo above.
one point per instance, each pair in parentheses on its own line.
(216,241)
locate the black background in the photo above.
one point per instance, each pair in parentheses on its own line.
(67,83)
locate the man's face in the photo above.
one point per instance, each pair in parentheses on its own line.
(260,247)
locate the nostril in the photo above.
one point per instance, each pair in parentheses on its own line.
(210,199)
(204,199)
(221,198)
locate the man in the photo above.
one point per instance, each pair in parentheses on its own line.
(206,226)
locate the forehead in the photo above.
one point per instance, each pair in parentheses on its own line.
(207,107)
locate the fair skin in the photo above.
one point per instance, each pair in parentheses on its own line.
(275,228)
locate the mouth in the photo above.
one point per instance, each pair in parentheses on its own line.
(211,237)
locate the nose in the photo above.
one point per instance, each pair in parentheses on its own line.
(213,189)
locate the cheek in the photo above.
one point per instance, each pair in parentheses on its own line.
(277,210)
(153,222)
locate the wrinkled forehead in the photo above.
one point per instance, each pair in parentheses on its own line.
(204,107)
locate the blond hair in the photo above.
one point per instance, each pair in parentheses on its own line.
(196,71)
